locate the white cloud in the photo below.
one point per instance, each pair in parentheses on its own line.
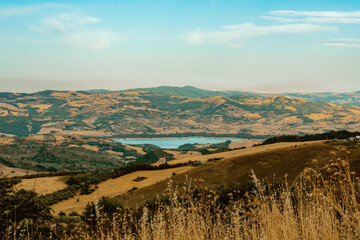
(329,17)
(22,10)
(235,35)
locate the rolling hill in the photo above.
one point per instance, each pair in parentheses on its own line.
(56,152)
(169,111)
(270,162)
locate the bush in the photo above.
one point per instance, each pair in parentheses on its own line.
(105,205)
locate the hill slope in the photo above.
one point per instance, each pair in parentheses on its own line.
(269,161)
(270,164)
(55,152)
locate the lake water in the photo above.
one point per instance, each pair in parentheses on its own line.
(174,142)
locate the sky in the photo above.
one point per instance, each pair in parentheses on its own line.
(255,45)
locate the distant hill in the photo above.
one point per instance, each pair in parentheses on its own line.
(350,98)
(170,112)
(189,91)
(97,91)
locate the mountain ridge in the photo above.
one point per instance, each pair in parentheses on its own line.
(341,98)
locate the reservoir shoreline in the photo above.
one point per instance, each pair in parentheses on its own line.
(175,142)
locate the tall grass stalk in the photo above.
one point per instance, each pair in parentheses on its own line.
(323,203)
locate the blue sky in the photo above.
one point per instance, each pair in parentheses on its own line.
(264,46)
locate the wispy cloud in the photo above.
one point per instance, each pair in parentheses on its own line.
(235,35)
(78,30)
(349,40)
(22,10)
(326,17)
(64,22)
(95,40)
(344,42)
(341,45)
(320,17)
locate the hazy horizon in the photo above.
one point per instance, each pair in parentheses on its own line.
(270,47)
(222,90)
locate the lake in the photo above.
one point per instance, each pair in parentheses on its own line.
(174,142)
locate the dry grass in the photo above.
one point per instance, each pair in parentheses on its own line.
(6,140)
(92,148)
(268,164)
(42,185)
(115,187)
(243,143)
(6,172)
(323,203)
(241,152)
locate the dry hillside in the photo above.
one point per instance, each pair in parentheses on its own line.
(115,187)
(271,164)
(268,161)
